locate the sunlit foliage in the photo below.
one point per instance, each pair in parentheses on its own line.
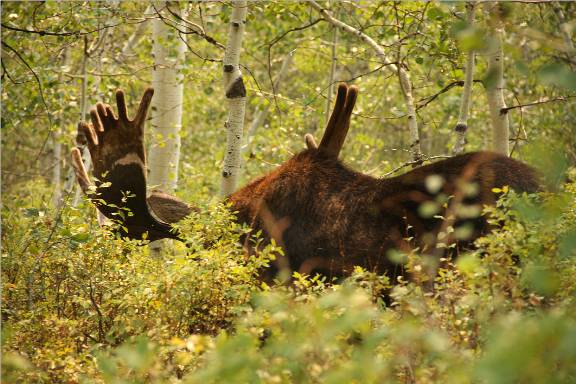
(80,305)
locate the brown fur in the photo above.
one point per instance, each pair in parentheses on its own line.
(339,218)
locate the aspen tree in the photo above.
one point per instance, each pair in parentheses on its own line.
(166,112)
(495,88)
(166,115)
(462,124)
(57,144)
(333,62)
(235,92)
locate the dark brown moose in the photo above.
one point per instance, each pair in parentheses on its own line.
(327,217)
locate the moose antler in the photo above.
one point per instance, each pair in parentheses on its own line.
(116,145)
(338,124)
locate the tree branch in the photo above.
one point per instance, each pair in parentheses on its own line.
(451,85)
(40,90)
(296,29)
(50,33)
(404,77)
(504,111)
(200,32)
(415,162)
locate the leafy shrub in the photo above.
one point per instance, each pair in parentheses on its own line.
(80,305)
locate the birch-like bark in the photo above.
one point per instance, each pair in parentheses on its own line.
(57,168)
(262,113)
(495,94)
(333,63)
(404,77)
(57,144)
(70,182)
(140,31)
(462,124)
(236,95)
(166,115)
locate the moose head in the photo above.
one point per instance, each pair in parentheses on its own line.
(327,217)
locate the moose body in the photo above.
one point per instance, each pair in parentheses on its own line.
(327,217)
(331,218)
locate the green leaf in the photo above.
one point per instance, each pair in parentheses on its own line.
(541,278)
(435,13)
(558,75)
(81,237)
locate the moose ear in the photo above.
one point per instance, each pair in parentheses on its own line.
(339,122)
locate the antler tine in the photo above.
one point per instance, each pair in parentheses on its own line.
(333,140)
(310,141)
(121,104)
(343,124)
(80,170)
(335,116)
(143,108)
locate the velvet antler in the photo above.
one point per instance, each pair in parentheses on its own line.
(116,145)
(338,124)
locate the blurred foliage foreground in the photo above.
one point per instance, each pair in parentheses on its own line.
(82,306)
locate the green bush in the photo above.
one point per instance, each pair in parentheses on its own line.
(80,305)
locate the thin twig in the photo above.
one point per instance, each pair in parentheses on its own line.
(504,111)
(41,91)
(348,80)
(296,29)
(428,99)
(100,317)
(50,33)
(196,53)
(415,162)
(200,33)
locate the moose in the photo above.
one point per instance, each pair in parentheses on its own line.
(327,217)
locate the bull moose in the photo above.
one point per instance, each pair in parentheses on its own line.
(327,217)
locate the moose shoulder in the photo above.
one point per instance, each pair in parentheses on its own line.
(327,217)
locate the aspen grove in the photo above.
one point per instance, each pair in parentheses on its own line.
(288,192)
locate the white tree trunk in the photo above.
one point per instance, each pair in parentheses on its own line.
(462,124)
(57,144)
(57,168)
(332,74)
(495,96)
(236,95)
(406,86)
(404,77)
(96,96)
(166,116)
(70,182)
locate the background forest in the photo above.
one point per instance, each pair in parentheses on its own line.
(80,305)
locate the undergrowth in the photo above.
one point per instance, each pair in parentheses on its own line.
(81,305)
